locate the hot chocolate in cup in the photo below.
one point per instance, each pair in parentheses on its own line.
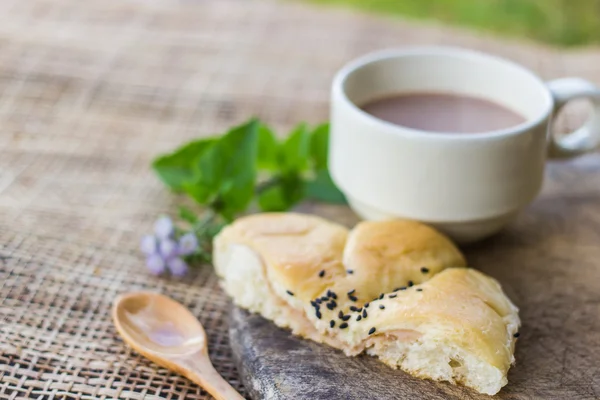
(467,185)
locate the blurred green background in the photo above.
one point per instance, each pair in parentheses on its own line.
(558,22)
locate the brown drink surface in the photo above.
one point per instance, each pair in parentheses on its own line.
(442,112)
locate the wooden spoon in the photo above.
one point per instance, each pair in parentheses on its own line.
(167,333)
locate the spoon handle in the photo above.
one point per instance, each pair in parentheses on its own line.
(201,371)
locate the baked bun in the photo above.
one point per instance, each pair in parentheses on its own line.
(397,290)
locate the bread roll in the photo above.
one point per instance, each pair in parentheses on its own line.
(397,290)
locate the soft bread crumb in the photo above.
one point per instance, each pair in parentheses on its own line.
(426,358)
(245,283)
(248,288)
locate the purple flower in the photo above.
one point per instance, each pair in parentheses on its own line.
(148,245)
(164,251)
(163,228)
(155,264)
(167,248)
(177,266)
(188,244)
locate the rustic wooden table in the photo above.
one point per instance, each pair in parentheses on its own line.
(91,90)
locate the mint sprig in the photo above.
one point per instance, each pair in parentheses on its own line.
(248,165)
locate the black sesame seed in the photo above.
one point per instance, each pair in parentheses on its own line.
(322,273)
(419,290)
(352,308)
(341,314)
(343,325)
(349,271)
(329,293)
(352,291)
(324,298)
(517,335)
(381,296)
(318,314)
(331,305)
(364,314)
(333,296)
(289,292)
(410,283)
(318,301)
(372,331)
(358,318)
(382,306)
(391,296)
(345,318)
(424,270)
(366,305)
(400,288)
(331,323)
(314,303)
(353,298)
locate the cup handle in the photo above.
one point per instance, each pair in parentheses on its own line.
(587,137)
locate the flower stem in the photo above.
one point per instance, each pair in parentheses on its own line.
(205,230)
(263,186)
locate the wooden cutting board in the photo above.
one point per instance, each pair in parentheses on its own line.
(548,262)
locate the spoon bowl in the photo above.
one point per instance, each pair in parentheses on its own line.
(160,324)
(167,333)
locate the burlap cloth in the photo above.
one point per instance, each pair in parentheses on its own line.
(90,92)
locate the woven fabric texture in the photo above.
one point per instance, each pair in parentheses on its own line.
(90,92)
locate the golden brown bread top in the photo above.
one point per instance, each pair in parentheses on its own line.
(461,304)
(296,248)
(386,255)
(378,257)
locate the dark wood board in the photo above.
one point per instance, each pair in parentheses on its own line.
(548,262)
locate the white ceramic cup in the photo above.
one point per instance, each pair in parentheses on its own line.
(467,185)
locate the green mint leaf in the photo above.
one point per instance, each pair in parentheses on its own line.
(268,149)
(294,188)
(241,148)
(209,172)
(322,188)
(273,199)
(201,194)
(319,143)
(283,194)
(225,174)
(294,152)
(203,187)
(187,215)
(176,168)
